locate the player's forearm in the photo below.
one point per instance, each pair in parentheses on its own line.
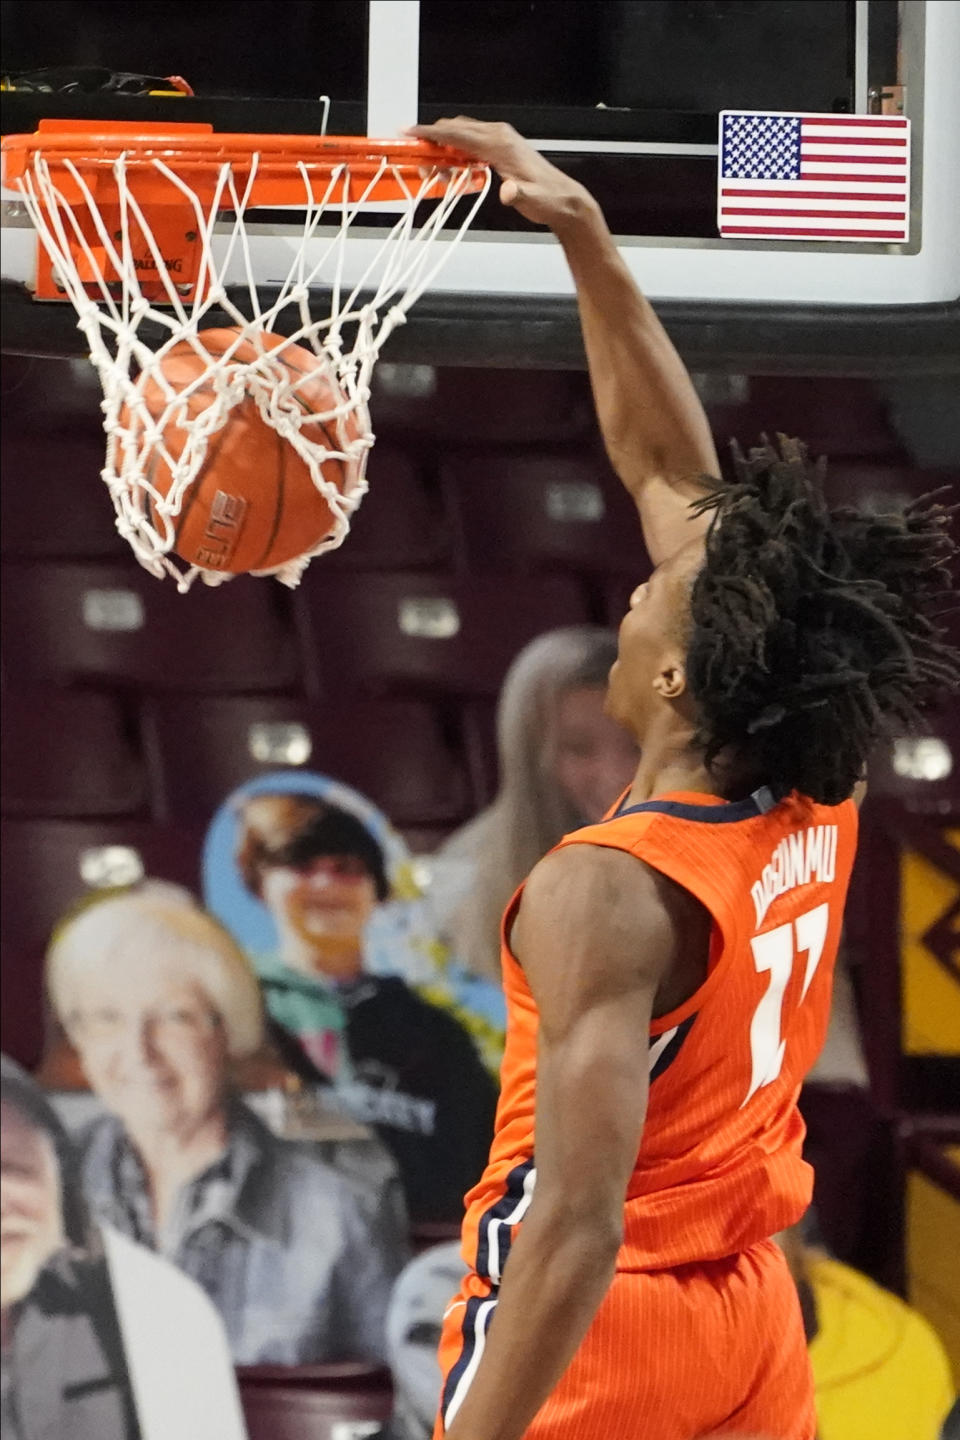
(653,425)
(553,1285)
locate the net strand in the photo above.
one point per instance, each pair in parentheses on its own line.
(120,323)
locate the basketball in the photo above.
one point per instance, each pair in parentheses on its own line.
(253,505)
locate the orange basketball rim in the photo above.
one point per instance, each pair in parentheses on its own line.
(261,171)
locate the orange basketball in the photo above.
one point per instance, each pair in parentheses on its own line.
(253,504)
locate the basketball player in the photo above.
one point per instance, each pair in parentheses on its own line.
(668,971)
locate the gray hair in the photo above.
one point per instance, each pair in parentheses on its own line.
(122,928)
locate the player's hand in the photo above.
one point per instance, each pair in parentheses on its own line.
(530,184)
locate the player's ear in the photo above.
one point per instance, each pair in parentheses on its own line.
(670,681)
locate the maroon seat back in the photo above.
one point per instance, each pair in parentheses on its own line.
(833,418)
(117,624)
(67,753)
(461,405)
(401,524)
(53,503)
(49,864)
(877,484)
(563,510)
(308,1403)
(398,752)
(850,1144)
(426,634)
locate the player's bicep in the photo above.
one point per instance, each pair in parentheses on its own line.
(592,1086)
(594,941)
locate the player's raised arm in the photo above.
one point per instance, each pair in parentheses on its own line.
(653,424)
(594,939)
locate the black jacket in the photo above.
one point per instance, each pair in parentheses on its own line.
(420,1084)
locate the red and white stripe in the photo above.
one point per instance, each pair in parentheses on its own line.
(854,185)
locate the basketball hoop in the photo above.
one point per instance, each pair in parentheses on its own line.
(143,228)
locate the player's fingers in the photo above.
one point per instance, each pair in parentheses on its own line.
(450,137)
(446,132)
(510,193)
(484,139)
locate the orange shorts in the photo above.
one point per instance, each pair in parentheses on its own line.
(676,1354)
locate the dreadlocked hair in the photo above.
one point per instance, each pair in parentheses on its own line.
(814,631)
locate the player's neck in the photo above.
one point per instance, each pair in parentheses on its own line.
(670,761)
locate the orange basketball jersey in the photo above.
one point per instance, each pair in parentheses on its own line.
(719,1166)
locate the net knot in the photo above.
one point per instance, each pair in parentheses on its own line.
(87,313)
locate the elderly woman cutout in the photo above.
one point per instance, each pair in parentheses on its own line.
(157,1000)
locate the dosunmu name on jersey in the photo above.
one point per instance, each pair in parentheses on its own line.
(810,854)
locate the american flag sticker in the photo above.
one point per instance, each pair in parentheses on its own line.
(814,177)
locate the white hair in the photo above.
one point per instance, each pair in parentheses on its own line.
(156,918)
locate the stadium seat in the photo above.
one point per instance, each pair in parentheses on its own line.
(41,393)
(400,524)
(395,751)
(428,1233)
(53,503)
(365,1375)
(118,625)
(67,753)
(296,1405)
(877,485)
(487,406)
(426,634)
(849,1143)
(49,864)
(479,721)
(834,418)
(921,771)
(521,511)
(22,1020)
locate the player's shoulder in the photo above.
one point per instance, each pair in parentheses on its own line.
(593,895)
(586,873)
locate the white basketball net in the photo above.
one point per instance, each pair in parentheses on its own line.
(118,320)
